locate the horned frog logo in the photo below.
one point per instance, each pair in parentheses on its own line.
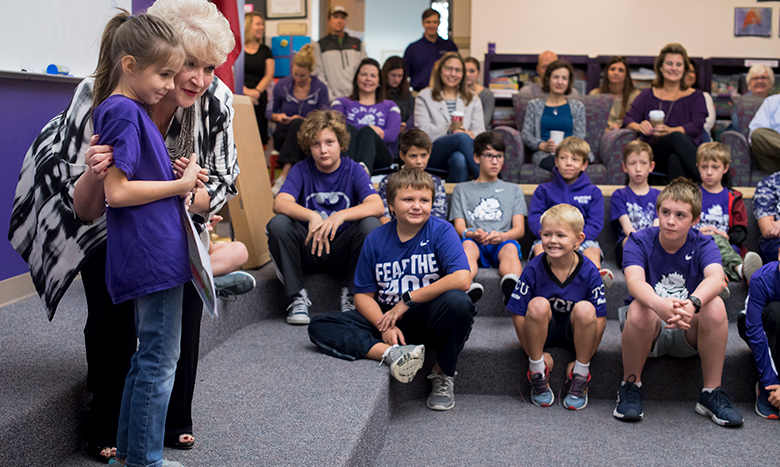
(488,210)
(640,217)
(672,285)
(716,217)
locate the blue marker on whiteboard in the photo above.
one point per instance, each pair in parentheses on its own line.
(57,69)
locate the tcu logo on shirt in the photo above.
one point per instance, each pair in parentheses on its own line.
(582,199)
(598,295)
(559,305)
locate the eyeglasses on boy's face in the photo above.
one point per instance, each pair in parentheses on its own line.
(495,157)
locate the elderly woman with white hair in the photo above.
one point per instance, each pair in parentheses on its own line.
(760,81)
(58,223)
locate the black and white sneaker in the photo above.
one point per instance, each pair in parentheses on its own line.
(719,408)
(298,310)
(347,300)
(475,292)
(508,284)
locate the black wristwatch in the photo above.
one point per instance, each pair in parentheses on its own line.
(407,298)
(696,303)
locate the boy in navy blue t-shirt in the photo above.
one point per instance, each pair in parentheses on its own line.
(410,287)
(674,275)
(325,209)
(559,301)
(572,186)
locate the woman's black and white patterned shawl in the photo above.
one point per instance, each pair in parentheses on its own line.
(44,229)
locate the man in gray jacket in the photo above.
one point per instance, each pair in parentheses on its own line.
(337,55)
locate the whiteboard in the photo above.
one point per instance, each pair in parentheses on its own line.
(36,33)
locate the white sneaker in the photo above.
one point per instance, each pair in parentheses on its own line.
(298,310)
(278,182)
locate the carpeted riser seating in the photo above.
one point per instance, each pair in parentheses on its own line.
(43,369)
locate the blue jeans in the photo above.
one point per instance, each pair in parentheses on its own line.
(455,154)
(149,383)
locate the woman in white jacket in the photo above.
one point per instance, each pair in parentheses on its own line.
(452,150)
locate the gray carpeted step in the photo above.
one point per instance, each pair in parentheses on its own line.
(502,430)
(493,363)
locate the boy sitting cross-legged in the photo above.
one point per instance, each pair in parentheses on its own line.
(489,215)
(324,211)
(572,186)
(633,207)
(674,275)
(415,151)
(723,214)
(559,302)
(409,290)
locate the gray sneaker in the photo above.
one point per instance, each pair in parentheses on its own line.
(167,463)
(751,264)
(234,283)
(443,391)
(404,361)
(347,300)
(298,310)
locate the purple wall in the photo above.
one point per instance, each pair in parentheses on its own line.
(26,106)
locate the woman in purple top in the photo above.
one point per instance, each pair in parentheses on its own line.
(295,96)
(674,141)
(373,121)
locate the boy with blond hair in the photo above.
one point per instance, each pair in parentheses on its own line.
(633,206)
(572,186)
(674,275)
(723,214)
(559,301)
(489,215)
(409,294)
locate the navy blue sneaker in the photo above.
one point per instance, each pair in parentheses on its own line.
(763,408)
(718,407)
(629,402)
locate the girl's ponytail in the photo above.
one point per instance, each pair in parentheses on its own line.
(107,72)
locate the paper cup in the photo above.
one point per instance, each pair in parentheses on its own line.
(556,136)
(656,117)
(457,121)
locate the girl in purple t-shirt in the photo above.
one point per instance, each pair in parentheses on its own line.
(147,254)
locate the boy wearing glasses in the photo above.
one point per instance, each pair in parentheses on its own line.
(489,215)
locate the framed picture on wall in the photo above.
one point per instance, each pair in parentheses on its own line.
(752,22)
(285,9)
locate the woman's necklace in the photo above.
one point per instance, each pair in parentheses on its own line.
(183,145)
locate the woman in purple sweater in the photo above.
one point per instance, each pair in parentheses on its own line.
(373,121)
(674,141)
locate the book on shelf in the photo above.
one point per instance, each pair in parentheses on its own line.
(504,93)
(514,71)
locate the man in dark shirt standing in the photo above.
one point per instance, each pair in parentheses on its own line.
(421,55)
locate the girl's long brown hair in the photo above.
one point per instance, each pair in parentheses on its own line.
(148,39)
(628,84)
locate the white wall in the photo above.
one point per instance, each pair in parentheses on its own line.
(36,33)
(391,25)
(608,27)
(312,22)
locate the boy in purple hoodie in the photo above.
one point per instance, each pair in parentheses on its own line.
(572,186)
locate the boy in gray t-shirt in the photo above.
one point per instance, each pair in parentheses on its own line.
(489,215)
